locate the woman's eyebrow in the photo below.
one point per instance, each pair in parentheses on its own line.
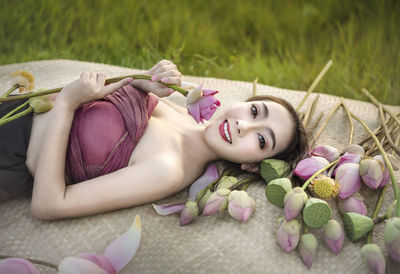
(265,110)
(271,132)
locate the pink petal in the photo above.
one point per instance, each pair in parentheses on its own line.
(166,209)
(204,180)
(194,111)
(100,260)
(213,207)
(122,249)
(208,92)
(74,265)
(17,265)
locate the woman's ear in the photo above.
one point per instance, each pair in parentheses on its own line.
(253,167)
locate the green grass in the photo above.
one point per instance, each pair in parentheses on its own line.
(283,43)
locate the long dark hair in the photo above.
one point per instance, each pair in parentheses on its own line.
(299,142)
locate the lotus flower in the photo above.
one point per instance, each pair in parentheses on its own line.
(201,104)
(386,174)
(218,202)
(241,205)
(371,172)
(392,238)
(308,166)
(353,204)
(374,258)
(288,234)
(226,182)
(347,158)
(294,202)
(189,213)
(348,177)
(324,187)
(17,265)
(391,210)
(328,152)
(308,248)
(24,79)
(334,236)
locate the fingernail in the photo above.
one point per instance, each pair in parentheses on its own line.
(154,78)
(129,79)
(164,80)
(170,90)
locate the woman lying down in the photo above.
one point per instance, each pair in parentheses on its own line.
(105,147)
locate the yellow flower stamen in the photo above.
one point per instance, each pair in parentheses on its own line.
(24,79)
(324,187)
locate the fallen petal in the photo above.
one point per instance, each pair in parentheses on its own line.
(166,209)
(74,265)
(204,180)
(100,260)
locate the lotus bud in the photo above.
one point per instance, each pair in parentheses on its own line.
(392,238)
(276,190)
(308,248)
(324,187)
(386,174)
(356,225)
(347,158)
(218,202)
(348,177)
(41,103)
(328,152)
(353,204)
(202,202)
(391,210)
(17,265)
(354,149)
(294,201)
(189,212)
(241,205)
(227,181)
(371,172)
(316,212)
(308,166)
(373,256)
(271,169)
(333,236)
(288,234)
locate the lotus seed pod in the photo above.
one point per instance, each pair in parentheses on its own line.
(356,225)
(271,169)
(276,190)
(316,212)
(41,104)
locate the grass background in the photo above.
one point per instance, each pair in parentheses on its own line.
(283,43)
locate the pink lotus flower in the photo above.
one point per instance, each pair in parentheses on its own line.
(347,158)
(308,248)
(328,152)
(353,204)
(386,174)
(201,104)
(334,235)
(373,256)
(288,234)
(308,166)
(371,172)
(241,205)
(217,202)
(392,238)
(348,177)
(116,256)
(294,200)
(189,212)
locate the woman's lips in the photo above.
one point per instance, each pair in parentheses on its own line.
(222,127)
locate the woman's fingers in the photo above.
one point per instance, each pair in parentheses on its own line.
(171,80)
(114,86)
(159,65)
(168,77)
(101,79)
(85,75)
(166,68)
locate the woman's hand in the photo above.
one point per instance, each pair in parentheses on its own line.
(164,71)
(89,87)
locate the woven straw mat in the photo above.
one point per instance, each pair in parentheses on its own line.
(214,244)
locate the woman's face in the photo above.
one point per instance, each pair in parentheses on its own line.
(249,132)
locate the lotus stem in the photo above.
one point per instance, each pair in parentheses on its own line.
(14,110)
(33,261)
(318,173)
(245,181)
(351,133)
(16,116)
(317,121)
(378,130)
(8,92)
(255,87)
(387,162)
(323,126)
(374,216)
(310,111)
(385,129)
(314,84)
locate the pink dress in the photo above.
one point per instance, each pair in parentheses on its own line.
(104,133)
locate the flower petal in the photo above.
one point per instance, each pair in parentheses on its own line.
(194,111)
(100,260)
(209,176)
(122,249)
(17,265)
(74,265)
(166,209)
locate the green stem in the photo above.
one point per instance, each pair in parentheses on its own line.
(387,162)
(318,173)
(14,110)
(247,180)
(108,81)
(8,92)
(16,116)
(380,219)
(376,212)
(33,261)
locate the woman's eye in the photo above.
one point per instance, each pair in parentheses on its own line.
(261,141)
(253,111)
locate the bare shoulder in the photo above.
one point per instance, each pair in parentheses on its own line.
(174,106)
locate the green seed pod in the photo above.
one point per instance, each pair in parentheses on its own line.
(276,190)
(273,169)
(316,212)
(356,225)
(41,104)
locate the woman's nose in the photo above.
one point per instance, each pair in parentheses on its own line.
(244,127)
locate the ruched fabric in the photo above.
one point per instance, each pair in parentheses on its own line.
(104,133)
